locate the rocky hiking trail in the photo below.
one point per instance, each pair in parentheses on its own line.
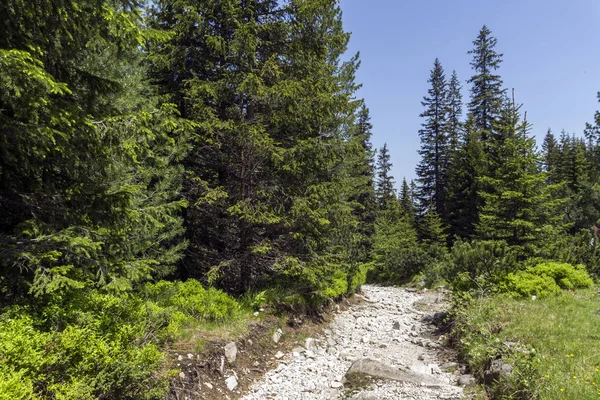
(381,348)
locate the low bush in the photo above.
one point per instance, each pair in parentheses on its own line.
(545,279)
(95,344)
(478,265)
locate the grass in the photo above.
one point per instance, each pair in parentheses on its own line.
(564,331)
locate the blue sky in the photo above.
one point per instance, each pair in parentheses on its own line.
(551,58)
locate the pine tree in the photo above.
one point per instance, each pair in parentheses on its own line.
(407,202)
(466,169)
(88,179)
(434,151)
(454,124)
(550,153)
(275,152)
(385,181)
(431,229)
(362,175)
(486,90)
(517,202)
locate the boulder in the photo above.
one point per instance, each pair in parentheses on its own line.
(465,380)
(376,369)
(277,335)
(230,352)
(498,369)
(231,382)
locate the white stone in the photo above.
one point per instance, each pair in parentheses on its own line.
(231,382)
(277,335)
(231,352)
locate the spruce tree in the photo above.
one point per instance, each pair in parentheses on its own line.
(407,202)
(385,181)
(88,174)
(550,153)
(466,169)
(361,181)
(434,151)
(517,202)
(269,167)
(487,94)
(454,124)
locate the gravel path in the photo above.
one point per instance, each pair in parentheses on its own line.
(386,327)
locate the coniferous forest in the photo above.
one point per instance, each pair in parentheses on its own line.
(178,161)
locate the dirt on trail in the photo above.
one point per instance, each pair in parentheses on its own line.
(384,344)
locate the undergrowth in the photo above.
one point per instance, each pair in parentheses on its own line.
(95,344)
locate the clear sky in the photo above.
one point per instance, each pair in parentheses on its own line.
(551,58)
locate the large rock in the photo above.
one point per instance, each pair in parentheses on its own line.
(231,383)
(277,335)
(498,369)
(310,344)
(230,352)
(465,380)
(376,369)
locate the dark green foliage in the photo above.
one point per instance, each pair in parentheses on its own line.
(396,254)
(454,125)
(434,151)
(385,181)
(88,191)
(486,91)
(465,172)
(407,202)
(477,265)
(279,178)
(516,201)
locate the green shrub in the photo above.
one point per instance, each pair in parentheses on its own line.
(193,300)
(478,265)
(95,344)
(567,276)
(526,284)
(78,362)
(546,279)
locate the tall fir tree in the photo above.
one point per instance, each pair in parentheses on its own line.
(385,181)
(517,201)
(550,153)
(407,202)
(434,151)
(454,125)
(269,166)
(466,169)
(362,181)
(487,94)
(88,175)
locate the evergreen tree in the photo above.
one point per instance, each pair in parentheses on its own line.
(517,202)
(407,202)
(486,87)
(431,229)
(466,170)
(550,153)
(434,150)
(362,174)
(385,181)
(274,153)
(88,189)
(454,124)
